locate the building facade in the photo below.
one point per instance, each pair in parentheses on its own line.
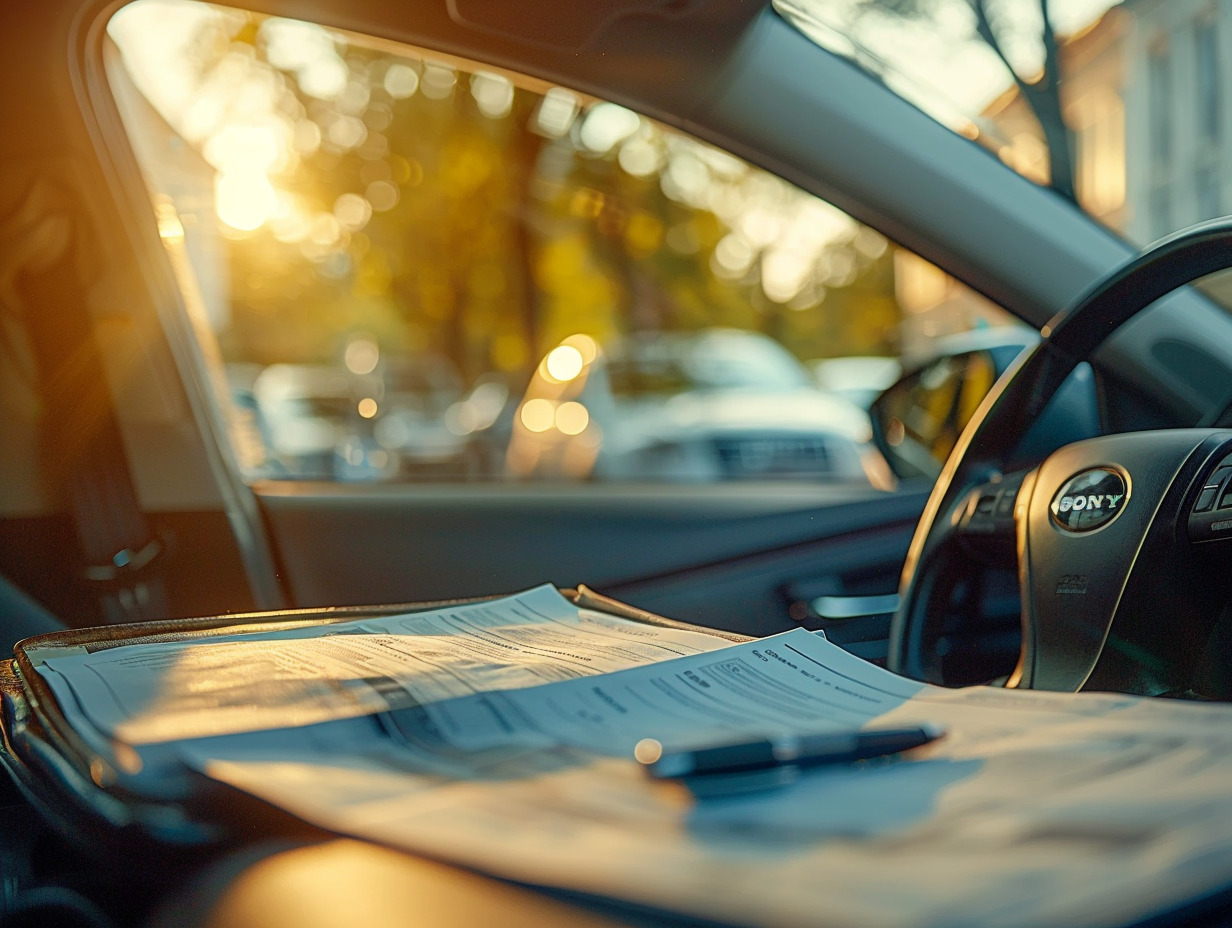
(1179,152)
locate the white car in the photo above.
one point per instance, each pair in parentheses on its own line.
(704,406)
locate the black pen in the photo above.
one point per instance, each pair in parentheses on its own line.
(788,751)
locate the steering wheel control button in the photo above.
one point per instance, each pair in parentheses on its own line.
(1206,499)
(1225,498)
(1210,519)
(985,520)
(1006,501)
(1090,500)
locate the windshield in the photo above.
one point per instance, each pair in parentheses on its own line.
(1117,106)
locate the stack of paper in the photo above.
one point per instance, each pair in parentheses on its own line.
(486,736)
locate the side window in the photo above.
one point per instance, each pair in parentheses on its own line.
(405,267)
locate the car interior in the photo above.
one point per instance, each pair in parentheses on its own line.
(128,493)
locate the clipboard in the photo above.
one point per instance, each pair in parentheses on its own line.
(95,802)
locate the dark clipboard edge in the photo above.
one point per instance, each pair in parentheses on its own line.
(586,598)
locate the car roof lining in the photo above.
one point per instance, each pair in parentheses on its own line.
(644,53)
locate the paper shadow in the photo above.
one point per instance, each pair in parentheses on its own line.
(857,801)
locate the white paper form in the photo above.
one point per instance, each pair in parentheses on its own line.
(780,685)
(148,693)
(1037,809)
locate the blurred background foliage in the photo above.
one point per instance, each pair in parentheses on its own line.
(454,214)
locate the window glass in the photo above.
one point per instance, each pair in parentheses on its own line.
(1118,106)
(408,267)
(1206,64)
(1159,77)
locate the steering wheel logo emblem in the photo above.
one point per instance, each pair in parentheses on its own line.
(1090,500)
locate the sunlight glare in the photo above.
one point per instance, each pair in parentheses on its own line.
(170,229)
(242,149)
(325,78)
(784,273)
(244,200)
(292,45)
(244,196)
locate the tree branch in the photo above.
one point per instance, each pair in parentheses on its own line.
(1041,96)
(1052,65)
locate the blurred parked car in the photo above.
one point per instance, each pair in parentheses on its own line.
(412,422)
(859,379)
(718,404)
(303,410)
(329,423)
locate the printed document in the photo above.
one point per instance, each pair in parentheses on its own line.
(1037,809)
(147,693)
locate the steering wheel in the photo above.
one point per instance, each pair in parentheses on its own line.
(1119,582)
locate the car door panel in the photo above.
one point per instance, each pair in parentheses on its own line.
(722,555)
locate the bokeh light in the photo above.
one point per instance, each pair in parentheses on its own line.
(244,196)
(564,363)
(572,418)
(586,346)
(401,81)
(362,356)
(493,94)
(438,80)
(639,157)
(607,125)
(244,201)
(347,132)
(538,415)
(382,195)
(325,78)
(557,111)
(647,751)
(352,211)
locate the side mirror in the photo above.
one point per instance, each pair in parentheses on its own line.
(917,421)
